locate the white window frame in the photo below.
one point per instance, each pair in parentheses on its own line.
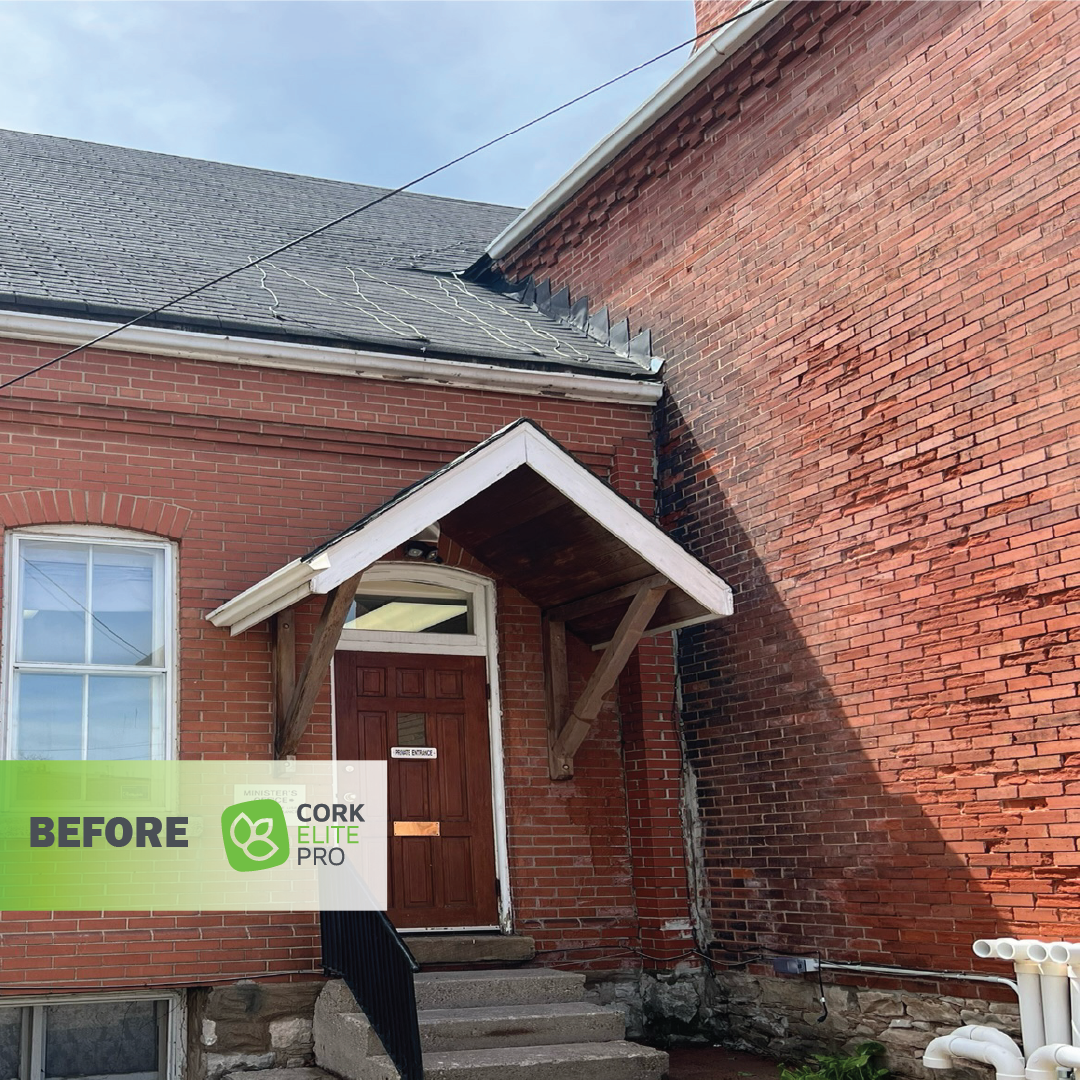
(173,1044)
(480,600)
(87,534)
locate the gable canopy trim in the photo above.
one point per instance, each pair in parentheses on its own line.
(538,518)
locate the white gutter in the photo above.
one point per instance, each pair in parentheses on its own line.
(357,363)
(706,60)
(288,585)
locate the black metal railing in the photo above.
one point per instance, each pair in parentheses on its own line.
(365,949)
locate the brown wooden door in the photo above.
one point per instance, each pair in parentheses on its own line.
(385,700)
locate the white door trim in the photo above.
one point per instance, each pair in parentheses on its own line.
(483,642)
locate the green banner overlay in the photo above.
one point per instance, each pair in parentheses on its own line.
(193,835)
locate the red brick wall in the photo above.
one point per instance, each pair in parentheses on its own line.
(855,246)
(247,468)
(709,14)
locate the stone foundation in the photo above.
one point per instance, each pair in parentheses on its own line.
(777,1016)
(250,1025)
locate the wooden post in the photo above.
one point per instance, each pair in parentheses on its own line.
(283,663)
(557,693)
(313,673)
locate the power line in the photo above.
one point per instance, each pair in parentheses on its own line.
(349,214)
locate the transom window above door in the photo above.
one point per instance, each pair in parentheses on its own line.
(407,608)
(411,607)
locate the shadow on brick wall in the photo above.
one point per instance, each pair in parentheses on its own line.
(816,835)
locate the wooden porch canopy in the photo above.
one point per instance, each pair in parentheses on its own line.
(543,523)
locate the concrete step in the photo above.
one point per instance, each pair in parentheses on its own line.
(478,989)
(304,1073)
(516,1025)
(470,948)
(578,1061)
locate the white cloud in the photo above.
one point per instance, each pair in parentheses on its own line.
(374,92)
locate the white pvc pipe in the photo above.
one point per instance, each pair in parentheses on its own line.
(1012,949)
(1028,982)
(982,1033)
(943,1052)
(1044,1063)
(1066,952)
(1054,986)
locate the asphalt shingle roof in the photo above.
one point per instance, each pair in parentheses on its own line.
(106,232)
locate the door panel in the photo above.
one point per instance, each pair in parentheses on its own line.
(385,700)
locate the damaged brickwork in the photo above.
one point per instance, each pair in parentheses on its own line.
(854,243)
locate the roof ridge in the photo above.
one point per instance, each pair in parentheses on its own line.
(375,189)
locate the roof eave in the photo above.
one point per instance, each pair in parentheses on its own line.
(356,363)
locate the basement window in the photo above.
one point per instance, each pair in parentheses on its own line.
(86,1040)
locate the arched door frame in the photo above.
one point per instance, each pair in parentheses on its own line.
(482,642)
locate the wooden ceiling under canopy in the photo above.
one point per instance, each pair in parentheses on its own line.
(534,537)
(540,521)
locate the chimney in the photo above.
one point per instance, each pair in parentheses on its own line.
(710,13)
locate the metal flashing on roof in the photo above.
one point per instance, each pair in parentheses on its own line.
(714,52)
(561,307)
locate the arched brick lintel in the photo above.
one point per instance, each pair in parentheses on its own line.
(66,506)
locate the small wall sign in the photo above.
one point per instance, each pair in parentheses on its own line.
(427,752)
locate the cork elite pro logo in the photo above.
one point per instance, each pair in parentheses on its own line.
(144,836)
(255,835)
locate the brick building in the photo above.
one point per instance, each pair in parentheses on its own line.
(848,229)
(158,491)
(851,229)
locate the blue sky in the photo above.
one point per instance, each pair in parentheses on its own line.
(375,92)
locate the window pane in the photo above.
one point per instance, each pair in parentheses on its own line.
(412,615)
(109,1038)
(125,590)
(48,716)
(122,717)
(411,729)
(10,1043)
(53,588)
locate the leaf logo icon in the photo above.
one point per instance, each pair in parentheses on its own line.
(258,832)
(255,835)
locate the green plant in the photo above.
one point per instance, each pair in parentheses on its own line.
(858,1065)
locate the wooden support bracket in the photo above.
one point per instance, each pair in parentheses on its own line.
(556,691)
(283,662)
(564,737)
(292,721)
(588,605)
